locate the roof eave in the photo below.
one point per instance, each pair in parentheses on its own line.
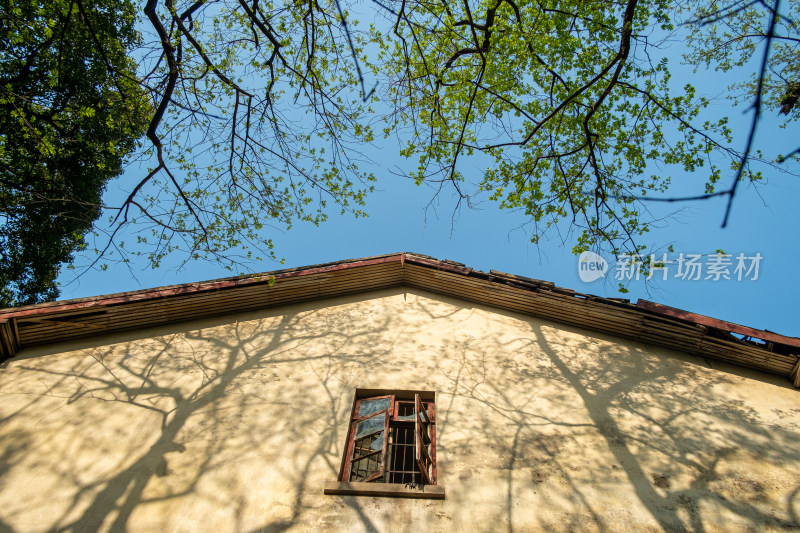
(655,323)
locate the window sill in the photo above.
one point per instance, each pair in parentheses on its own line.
(394,490)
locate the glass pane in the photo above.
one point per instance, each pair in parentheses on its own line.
(368,407)
(405,411)
(365,467)
(370,425)
(366,456)
(367,446)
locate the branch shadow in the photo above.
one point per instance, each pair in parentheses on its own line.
(242,419)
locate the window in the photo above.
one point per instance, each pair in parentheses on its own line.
(391,446)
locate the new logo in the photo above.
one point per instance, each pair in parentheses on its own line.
(591,267)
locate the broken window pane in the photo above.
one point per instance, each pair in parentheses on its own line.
(374,405)
(370,425)
(391,441)
(367,456)
(404,411)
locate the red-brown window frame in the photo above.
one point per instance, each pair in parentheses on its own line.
(354,421)
(421,419)
(426,399)
(429,405)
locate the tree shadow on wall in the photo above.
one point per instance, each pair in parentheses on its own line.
(198,392)
(671,438)
(655,410)
(197,396)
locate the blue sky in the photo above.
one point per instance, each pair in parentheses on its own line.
(764,220)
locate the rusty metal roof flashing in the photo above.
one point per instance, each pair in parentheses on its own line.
(645,321)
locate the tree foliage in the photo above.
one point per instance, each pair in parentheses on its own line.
(259,122)
(568,106)
(727,35)
(72,109)
(263,112)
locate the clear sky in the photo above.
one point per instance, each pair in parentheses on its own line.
(764,221)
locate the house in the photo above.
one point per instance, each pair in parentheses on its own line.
(392,393)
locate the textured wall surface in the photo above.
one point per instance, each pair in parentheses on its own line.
(235,425)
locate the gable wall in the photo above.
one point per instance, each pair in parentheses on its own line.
(236,426)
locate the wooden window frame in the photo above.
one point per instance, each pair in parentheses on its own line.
(423,450)
(429,404)
(355,420)
(424,430)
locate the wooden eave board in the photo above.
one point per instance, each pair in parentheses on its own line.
(220,302)
(539,303)
(167,305)
(601,317)
(8,343)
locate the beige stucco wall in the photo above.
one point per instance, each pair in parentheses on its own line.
(236,425)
